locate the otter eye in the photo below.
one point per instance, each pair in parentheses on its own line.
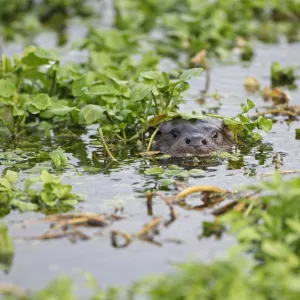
(175,134)
(214,134)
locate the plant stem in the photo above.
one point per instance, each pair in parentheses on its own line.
(53,85)
(170,98)
(136,135)
(124,135)
(105,145)
(20,82)
(156,107)
(109,118)
(152,138)
(118,136)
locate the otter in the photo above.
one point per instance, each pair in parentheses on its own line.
(194,137)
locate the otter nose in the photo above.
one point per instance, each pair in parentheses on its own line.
(196,141)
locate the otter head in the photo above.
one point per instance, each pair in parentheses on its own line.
(180,137)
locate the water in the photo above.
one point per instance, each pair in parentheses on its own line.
(123,185)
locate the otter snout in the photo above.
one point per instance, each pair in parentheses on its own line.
(196,141)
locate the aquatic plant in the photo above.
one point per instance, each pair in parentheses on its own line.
(52,197)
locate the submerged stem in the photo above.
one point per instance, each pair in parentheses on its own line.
(170,98)
(105,145)
(136,135)
(53,85)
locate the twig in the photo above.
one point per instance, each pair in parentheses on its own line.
(199,188)
(78,234)
(180,185)
(225,208)
(63,221)
(276,111)
(279,172)
(278,161)
(12,289)
(169,202)
(149,203)
(148,227)
(237,205)
(149,153)
(115,233)
(46,236)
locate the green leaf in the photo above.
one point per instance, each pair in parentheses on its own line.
(249,234)
(62,191)
(60,109)
(7,88)
(41,101)
(101,90)
(12,176)
(163,82)
(28,182)
(153,75)
(79,86)
(70,202)
(59,158)
(47,177)
(250,104)
(154,171)
(196,172)
(33,110)
(8,64)
(166,182)
(48,198)
(265,124)
(6,248)
(46,54)
(188,74)
(100,59)
(140,91)
(275,249)
(24,206)
(5,185)
(294,225)
(93,113)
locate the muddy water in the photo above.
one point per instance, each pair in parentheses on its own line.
(123,185)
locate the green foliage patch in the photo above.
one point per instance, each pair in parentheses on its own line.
(52,196)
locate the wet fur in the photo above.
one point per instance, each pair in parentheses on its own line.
(195,131)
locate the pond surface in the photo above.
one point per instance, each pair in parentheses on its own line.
(108,186)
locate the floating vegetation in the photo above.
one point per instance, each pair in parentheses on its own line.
(191,26)
(54,196)
(38,16)
(282,76)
